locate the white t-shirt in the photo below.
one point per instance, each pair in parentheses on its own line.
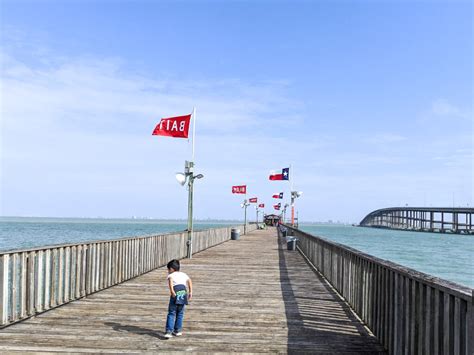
(178,278)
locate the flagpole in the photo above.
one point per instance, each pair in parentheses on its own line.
(190,192)
(194,128)
(245,211)
(291,180)
(292,198)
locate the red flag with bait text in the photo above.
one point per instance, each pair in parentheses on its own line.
(177,127)
(240,189)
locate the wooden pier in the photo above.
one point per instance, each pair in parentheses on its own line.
(423,219)
(250,295)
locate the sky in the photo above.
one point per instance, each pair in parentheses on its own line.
(369,102)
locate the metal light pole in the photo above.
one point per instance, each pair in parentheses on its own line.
(284,212)
(189,172)
(256,208)
(294,196)
(244,206)
(189,177)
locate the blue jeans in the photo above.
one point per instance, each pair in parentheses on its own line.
(174,321)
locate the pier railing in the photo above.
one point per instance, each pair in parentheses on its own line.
(408,311)
(38,279)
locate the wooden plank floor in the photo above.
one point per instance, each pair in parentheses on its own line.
(250,296)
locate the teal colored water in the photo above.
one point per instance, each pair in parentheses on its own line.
(447,256)
(22,233)
(444,255)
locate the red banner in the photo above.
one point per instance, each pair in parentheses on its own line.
(262,205)
(253,200)
(240,189)
(176,127)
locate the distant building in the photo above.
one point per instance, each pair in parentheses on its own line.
(271,219)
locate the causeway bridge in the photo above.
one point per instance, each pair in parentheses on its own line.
(423,219)
(250,295)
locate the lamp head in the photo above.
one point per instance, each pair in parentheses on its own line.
(181,178)
(199,176)
(296,194)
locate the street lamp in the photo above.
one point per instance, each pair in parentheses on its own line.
(188,176)
(294,196)
(244,205)
(284,211)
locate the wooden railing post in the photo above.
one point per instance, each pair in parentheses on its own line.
(4,272)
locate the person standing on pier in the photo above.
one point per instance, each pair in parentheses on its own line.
(181,291)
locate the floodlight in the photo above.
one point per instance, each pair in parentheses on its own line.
(296,194)
(181,178)
(199,176)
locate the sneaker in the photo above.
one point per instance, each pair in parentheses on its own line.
(168,335)
(177,334)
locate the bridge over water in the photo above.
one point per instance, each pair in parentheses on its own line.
(425,219)
(250,295)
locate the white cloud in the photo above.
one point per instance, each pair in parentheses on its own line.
(80,130)
(381,138)
(443,108)
(77,140)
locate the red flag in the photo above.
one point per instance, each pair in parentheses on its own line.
(240,189)
(284,175)
(280,195)
(253,200)
(262,205)
(176,127)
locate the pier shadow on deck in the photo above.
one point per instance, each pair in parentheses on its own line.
(318,320)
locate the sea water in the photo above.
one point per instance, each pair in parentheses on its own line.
(23,233)
(448,256)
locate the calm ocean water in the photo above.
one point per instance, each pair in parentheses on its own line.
(447,256)
(20,233)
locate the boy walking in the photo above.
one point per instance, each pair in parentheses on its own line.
(181,290)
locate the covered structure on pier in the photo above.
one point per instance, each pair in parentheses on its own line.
(271,219)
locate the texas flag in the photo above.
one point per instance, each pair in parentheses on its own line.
(176,127)
(277,207)
(285,175)
(262,205)
(239,189)
(280,195)
(253,200)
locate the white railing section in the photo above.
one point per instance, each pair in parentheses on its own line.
(38,279)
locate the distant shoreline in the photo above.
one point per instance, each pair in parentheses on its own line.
(147,219)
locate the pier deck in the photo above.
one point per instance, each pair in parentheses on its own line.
(250,295)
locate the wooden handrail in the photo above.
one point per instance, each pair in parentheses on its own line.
(409,311)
